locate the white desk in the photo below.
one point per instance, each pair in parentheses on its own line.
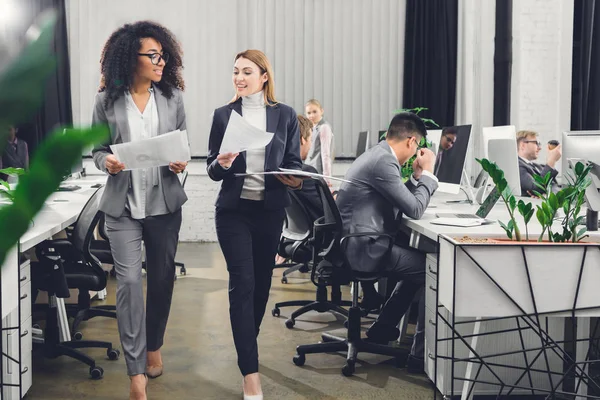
(60,211)
(424,233)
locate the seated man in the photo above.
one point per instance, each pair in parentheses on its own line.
(308,194)
(375,202)
(529,147)
(15,154)
(447,140)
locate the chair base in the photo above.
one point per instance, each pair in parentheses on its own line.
(353,345)
(321,305)
(108,311)
(290,268)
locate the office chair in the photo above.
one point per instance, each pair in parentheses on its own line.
(299,228)
(333,264)
(68,264)
(294,245)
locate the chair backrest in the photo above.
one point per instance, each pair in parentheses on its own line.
(299,224)
(86,223)
(102,227)
(329,227)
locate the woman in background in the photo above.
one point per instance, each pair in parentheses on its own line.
(321,150)
(250,211)
(140,97)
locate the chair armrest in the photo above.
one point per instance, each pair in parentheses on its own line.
(64,247)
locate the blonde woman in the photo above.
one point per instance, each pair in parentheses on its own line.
(250,211)
(321,150)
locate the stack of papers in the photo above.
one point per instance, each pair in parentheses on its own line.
(154,152)
(296,173)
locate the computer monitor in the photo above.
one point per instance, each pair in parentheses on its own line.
(363,143)
(581,145)
(450,163)
(497,132)
(434,136)
(503,152)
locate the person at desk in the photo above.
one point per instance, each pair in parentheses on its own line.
(250,210)
(376,202)
(16,153)
(447,140)
(140,97)
(529,147)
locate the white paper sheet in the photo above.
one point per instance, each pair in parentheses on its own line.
(294,172)
(241,136)
(154,152)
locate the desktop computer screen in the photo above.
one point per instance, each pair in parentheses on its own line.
(363,143)
(451,156)
(503,152)
(582,145)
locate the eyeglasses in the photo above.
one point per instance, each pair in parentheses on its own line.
(156,57)
(537,142)
(421,144)
(449,140)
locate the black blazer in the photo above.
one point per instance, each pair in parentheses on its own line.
(282,152)
(526,172)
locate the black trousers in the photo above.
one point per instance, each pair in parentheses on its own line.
(249,236)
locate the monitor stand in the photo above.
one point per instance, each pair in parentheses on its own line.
(466,187)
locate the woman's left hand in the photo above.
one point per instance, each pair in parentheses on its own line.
(291,181)
(178,166)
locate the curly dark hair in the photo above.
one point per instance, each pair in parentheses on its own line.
(119,59)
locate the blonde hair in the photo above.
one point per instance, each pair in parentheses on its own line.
(305,126)
(314,102)
(260,59)
(524,135)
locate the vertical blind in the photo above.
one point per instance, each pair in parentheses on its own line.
(348,54)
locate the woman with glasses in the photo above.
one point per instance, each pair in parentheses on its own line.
(140,97)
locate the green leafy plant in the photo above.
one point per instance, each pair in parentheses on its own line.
(407,168)
(569,199)
(511,228)
(21,94)
(8,192)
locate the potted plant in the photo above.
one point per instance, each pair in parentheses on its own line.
(7,192)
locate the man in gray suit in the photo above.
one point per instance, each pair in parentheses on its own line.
(375,202)
(528,147)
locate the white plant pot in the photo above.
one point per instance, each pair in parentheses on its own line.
(503,280)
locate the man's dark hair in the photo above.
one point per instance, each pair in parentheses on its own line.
(120,56)
(405,125)
(449,130)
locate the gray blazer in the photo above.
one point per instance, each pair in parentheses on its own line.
(526,172)
(171,116)
(376,201)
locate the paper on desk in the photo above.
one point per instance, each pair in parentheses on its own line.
(241,136)
(294,172)
(153,152)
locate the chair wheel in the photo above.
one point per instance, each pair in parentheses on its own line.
(289,323)
(284,280)
(77,336)
(113,354)
(96,372)
(276,312)
(299,359)
(348,368)
(182,271)
(113,273)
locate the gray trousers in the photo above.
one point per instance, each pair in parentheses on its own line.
(143,331)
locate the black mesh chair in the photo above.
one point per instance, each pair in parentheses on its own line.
(68,263)
(300,227)
(334,265)
(295,239)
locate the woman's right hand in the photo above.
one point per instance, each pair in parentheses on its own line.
(226,159)
(113,165)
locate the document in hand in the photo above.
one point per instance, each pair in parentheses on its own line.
(240,135)
(154,152)
(294,172)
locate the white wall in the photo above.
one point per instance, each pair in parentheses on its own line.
(346,53)
(541,74)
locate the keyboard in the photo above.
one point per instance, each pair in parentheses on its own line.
(68,188)
(463,216)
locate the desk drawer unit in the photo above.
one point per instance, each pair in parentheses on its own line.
(484,345)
